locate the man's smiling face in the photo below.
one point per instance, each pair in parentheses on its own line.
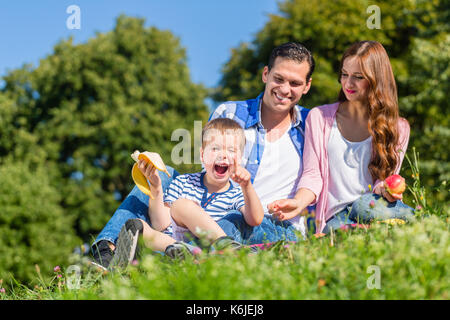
(285,84)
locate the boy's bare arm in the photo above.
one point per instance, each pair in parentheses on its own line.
(158,213)
(253,211)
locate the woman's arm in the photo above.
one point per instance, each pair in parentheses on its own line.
(310,185)
(286,209)
(404,132)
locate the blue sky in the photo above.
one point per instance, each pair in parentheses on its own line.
(208,29)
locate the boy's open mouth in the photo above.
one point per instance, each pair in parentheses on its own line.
(221,169)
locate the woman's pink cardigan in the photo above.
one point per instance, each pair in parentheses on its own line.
(315,156)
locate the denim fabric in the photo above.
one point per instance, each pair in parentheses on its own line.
(134,206)
(270,230)
(367,208)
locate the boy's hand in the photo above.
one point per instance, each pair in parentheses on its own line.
(239,174)
(150,173)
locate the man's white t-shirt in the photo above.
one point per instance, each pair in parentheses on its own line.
(279,171)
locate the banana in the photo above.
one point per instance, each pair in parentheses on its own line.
(138,178)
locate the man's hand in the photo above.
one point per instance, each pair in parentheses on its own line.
(284,209)
(239,174)
(150,173)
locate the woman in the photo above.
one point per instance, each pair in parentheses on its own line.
(352,145)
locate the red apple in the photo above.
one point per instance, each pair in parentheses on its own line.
(395,185)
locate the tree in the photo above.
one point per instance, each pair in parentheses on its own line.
(89,106)
(427,109)
(34,229)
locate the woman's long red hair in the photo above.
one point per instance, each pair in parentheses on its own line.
(382,104)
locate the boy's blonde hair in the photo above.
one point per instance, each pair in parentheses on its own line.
(223,126)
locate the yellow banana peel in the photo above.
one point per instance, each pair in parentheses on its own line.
(393,222)
(138,178)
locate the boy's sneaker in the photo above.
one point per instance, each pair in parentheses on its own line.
(226,242)
(180,250)
(126,246)
(223,243)
(102,254)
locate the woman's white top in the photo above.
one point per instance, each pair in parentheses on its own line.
(348,164)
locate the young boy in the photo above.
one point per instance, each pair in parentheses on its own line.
(193,202)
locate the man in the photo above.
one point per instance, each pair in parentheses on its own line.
(274,128)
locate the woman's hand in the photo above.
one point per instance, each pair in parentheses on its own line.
(150,173)
(381,190)
(284,209)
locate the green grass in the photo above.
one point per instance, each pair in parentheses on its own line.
(412,261)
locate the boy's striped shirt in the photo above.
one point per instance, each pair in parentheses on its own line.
(190,186)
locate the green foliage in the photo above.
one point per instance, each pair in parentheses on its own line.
(427,109)
(415,34)
(89,106)
(34,229)
(413,261)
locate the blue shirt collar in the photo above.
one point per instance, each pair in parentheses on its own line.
(254,116)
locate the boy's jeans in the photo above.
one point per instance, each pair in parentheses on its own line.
(367,208)
(233,224)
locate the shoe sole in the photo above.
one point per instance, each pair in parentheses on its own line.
(95,264)
(126,245)
(175,253)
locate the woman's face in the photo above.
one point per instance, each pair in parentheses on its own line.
(354,85)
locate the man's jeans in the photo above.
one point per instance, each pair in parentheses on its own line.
(233,224)
(270,230)
(368,208)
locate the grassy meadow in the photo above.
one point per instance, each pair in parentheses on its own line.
(383,261)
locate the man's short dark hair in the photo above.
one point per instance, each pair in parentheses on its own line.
(293,51)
